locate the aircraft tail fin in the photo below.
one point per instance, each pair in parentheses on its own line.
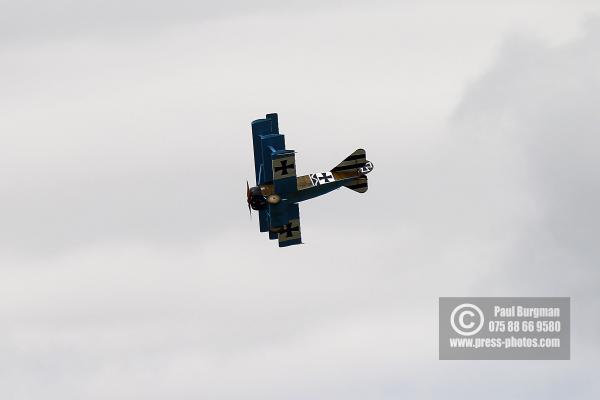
(359,184)
(355,162)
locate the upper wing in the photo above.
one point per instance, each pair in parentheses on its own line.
(266,140)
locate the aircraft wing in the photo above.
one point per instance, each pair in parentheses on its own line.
(285,223)
(274,164)
(266,140)
(283,164)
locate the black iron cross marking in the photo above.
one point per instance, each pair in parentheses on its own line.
(289,230)
(284,167)
(324,177)
(366,168)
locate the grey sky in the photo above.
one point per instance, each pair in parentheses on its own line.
(129,267)
(33,20)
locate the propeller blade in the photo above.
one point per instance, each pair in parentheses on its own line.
(248,198)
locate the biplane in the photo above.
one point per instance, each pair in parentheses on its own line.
(278,190)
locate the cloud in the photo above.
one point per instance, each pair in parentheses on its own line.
(130,267)
(539,101)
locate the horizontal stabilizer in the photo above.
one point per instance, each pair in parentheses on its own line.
(355,164)
(354,161)
(359,184)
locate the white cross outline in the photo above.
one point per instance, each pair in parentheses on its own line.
(368,167)
(321,178)
(325,177)
(314,179)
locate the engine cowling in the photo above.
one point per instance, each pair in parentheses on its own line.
(256,200)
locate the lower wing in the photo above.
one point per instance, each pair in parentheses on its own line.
(284,224)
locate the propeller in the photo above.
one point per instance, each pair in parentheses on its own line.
(248,197)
